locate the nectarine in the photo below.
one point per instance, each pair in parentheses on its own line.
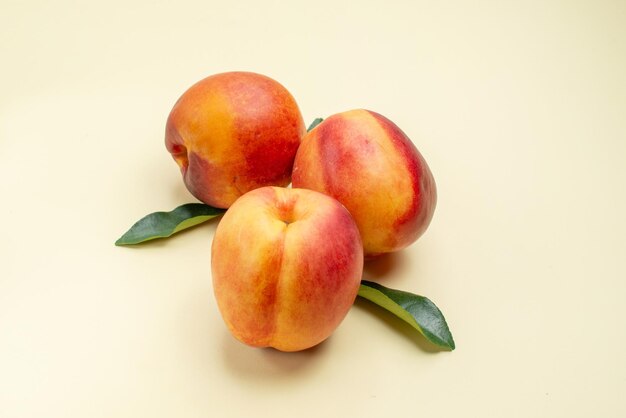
(366,162)
(286,267)
(234,132)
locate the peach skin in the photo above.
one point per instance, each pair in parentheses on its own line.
(233,132)
(286,267)
(366,162)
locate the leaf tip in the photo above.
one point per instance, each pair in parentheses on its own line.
(315,122)
(451,345)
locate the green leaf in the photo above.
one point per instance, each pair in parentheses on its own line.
(315,122)
(416,310)
(165,224)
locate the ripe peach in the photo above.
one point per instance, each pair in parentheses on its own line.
(234,132)
(286,267)
(367,163)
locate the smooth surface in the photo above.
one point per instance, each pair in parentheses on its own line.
(518,107)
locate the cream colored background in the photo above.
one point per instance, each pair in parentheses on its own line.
(519,108)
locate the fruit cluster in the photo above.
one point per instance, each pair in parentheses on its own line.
(287,262)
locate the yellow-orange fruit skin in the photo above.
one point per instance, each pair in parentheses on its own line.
(234,132)
(366,162)
(286,267)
